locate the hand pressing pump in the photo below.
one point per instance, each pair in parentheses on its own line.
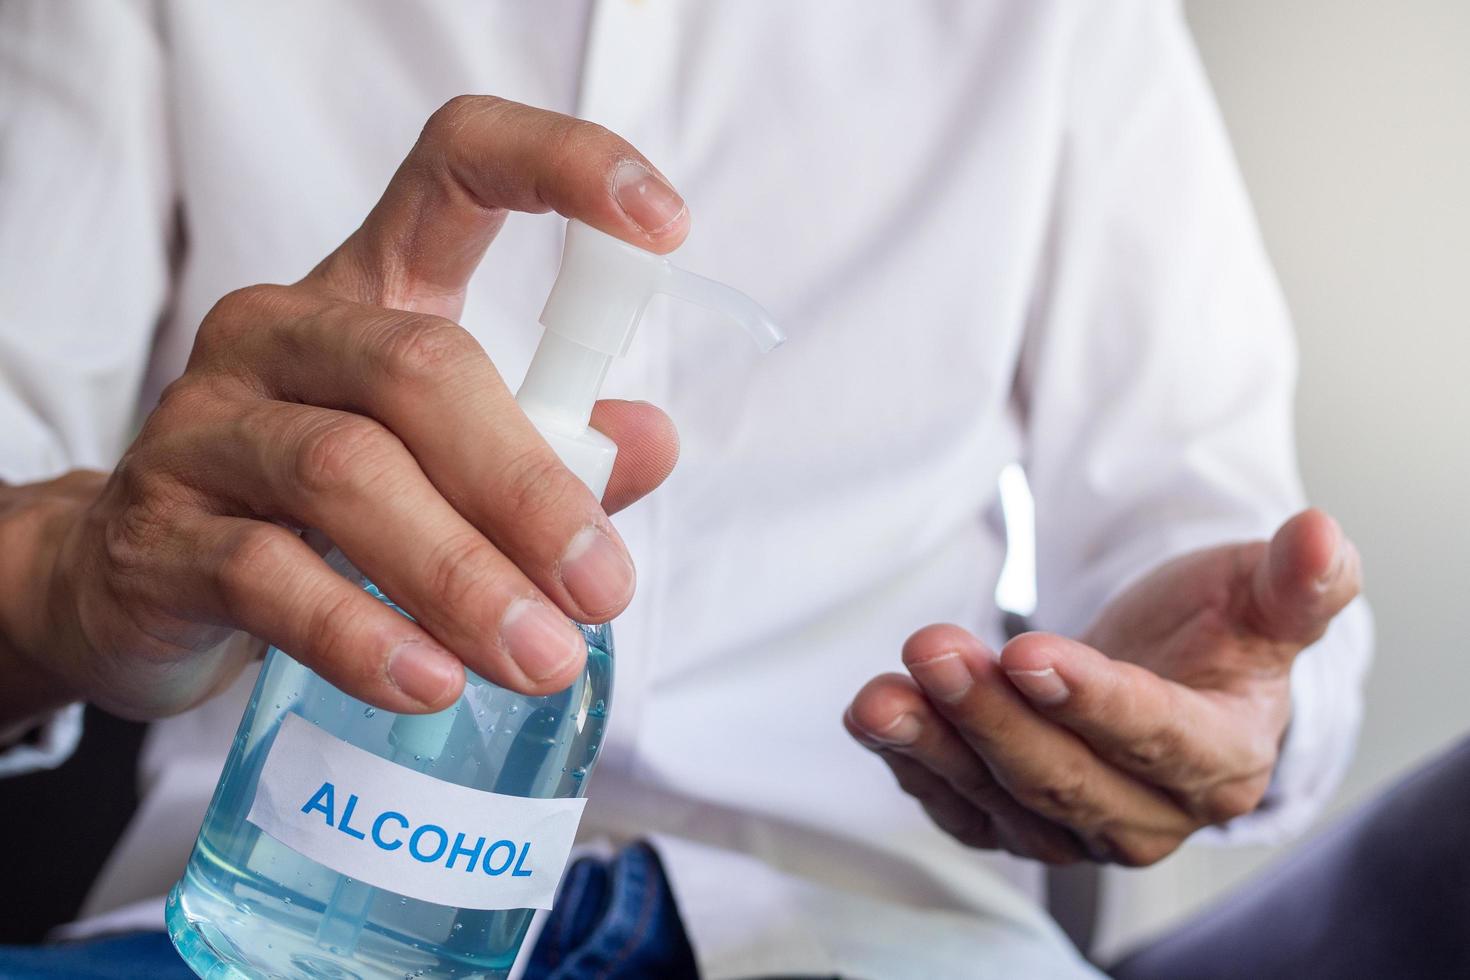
(345,841)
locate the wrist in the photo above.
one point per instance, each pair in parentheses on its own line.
(36,521)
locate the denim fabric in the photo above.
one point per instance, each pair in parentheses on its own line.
(613,920)
(130,957)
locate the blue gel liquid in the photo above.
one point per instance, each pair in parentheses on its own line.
(249,906)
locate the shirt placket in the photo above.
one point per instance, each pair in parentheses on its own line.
(628,68)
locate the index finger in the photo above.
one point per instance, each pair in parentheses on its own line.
(478,158)
(1047,767)
(430,383)
(1164,732)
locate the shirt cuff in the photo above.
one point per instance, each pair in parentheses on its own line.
(44,743)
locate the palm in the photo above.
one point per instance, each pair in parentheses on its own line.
(1198,621)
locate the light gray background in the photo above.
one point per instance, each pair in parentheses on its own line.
(1351,120)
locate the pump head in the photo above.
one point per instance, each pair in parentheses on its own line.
(590,317)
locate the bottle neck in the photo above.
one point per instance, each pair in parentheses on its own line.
(562,383)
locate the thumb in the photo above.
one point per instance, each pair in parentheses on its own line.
(1308,573)
(648,447)
(478,158)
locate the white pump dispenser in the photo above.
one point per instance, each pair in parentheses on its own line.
(594,308)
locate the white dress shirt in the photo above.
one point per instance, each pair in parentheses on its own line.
(994,231)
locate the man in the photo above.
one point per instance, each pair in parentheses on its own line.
(993,232)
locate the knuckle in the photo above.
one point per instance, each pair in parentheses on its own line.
(1064,793)
(450,117)
(180,396)
(460,572)
(574,138)
(237,311)
(328,642)
(1155,749)
(1235,799)
(180,406)
(342,455)
(423,350)
(140,515)
(994,733)
(131,538)
(256,555)
(536,484)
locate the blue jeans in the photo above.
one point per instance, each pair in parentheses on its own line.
(613,920)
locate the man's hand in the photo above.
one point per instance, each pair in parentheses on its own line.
(352,404)
(1166,717)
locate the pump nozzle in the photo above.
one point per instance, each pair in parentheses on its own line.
(733,303)
(590,317)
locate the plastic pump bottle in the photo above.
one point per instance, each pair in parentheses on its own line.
(345,841)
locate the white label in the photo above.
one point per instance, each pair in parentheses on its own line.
(408,832)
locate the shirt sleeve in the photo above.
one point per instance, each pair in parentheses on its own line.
(1156,381)
(45,744)
(85,190)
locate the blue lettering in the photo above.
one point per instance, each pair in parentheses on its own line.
(383,818)
(323,800)
(491,860)
(473,853)
(413,843)
(518,873)
(346,825)
(510,855)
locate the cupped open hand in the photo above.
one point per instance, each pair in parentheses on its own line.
(1167,716)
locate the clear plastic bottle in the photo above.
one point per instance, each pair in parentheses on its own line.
(251,905)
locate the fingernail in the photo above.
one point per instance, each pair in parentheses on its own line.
(652,204)
(1044,687)
(423,671)
(1334,567)
(946,677)
(1334,571)
(597,572)
(541,640)
(903,730)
